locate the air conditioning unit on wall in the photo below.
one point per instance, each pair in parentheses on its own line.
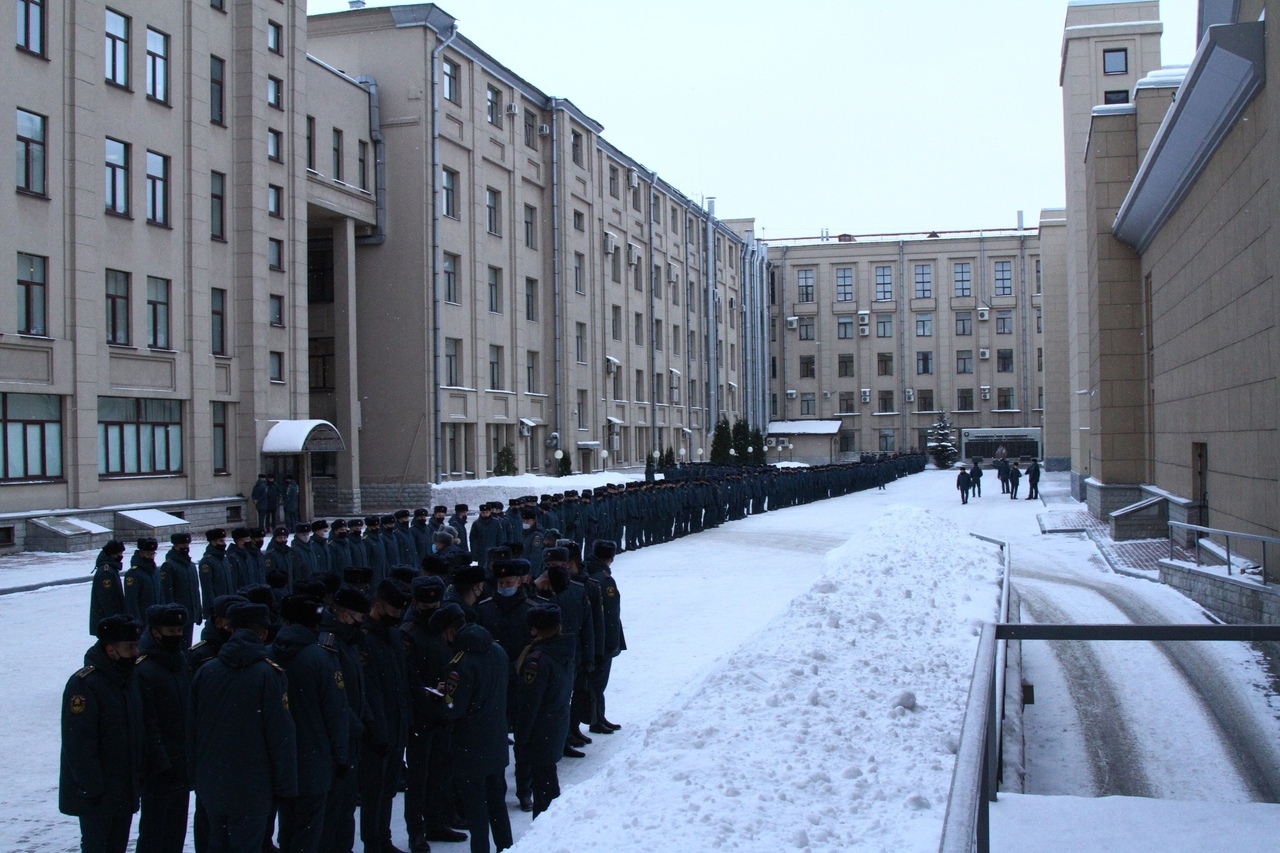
(864,331)
(525,430)
(984,314)
(864,319)
(791,394)
(866,395)
(513,110)
(910,395)
(985,392)
(633,178)
(792,322)
(984,353)
(544,130)
(633,254)
(610,242)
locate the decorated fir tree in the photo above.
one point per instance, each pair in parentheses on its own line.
(942,443)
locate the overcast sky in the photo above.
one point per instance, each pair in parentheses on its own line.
(860,116)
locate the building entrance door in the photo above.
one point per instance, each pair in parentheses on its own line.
(1200,478)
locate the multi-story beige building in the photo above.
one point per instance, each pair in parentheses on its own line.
(237,252)
(876,335)
(1178,288)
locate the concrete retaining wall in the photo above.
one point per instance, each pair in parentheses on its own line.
(199,515)
(1238,602)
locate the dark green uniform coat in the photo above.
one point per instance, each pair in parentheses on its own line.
(102,740)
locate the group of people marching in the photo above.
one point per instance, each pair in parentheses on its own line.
(1009,475)
(413,652)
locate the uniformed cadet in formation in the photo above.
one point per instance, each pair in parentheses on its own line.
(413,642)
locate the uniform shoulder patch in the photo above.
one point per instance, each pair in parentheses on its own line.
(77,704)
(277,667)
(530,668)
(83,672)
(129,579)
(337,679)
(459,656)
(139,659)
(107,583)
(611,591)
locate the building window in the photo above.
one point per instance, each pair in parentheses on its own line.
(495,290)
(139,436)
(844,284)
(32,294)
(1039,321)
(217,205)
(31,162)
(530,227)
(1004,322)
(1004,278)
(275,253)
(449,193)
(962,276)
(575,146)
(531,299)
(157,188)
(657,335)
(117,307)
(157,312)
(157,66)
(887,441)
(844,364)
(848,438)
(530,130)
(804,285)
(614,184)
(884,283)
(1004,361)
(493,107)
(1116,96)
(964,323)
(1040,397)
(773,403)
(805,328)
(311,144)
(846,402)
(964,361)
(1039,359)
(275,37)
(924,281)
(32,436)
(579,272)
(492,203)
(31,26)
(655,284)
(275,148)
(1115,61)
(924,325)
(639,389)
(583,413)
(275,309)
(1037,275)
(615,322)
(924,363)
(638,337)
(884,403)
(964,399)
(844,328)
(217,90)
(220,438)
(218,321)
(580,342)
(884,325)
(579,221)
(275,366)
(924,401)
(615,265)
(452,361)
(532,372)
(337,154)
(117,177)
(808,403)
(495,368)
(117,53)
(1004,398)
(450,269)
(807,370)
(675,340)
(884,364)
(452,81)
(362,163)
(275,201)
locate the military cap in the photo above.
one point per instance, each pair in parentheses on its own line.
(114,546)
(256,533)
(371,521)
(355,522)
(223,603)
(339,524)
(510,569)
(357,575)
(387,519)
(118,629)
(352,599)
(146,543)
(570,493)
(302,527)
(528,512)
(428,589)
(448,616)
(555,555)
(330,580)
(180,539)
(249,616)
(460,508)
(444,534)
(395,593)
(551,533)
(277,579)
(317,588)
(302,610)
(319,524)
(280,531)
(402,513)
(240,533)
(487,506)
(516,548)
(440,508)
(258,593)
(604,549)
(404,574)
(421,512)
(497,552)
(434,565)
(544,617)
(166,616)
(559,578)
(544,498)
(468,576)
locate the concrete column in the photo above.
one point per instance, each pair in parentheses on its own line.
(346,373)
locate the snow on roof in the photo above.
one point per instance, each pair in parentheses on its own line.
(300,436)
(88,526)
(803,428)
(151,517)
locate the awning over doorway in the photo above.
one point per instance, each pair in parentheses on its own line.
(302,437)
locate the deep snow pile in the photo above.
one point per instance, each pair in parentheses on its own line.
(833,728)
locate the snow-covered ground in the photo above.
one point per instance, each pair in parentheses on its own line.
(762,698)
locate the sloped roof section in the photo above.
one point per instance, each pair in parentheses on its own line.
(302,436)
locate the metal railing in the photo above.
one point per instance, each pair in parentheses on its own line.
(1227,535)
(967,824)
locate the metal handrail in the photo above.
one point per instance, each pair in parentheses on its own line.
(1226,534)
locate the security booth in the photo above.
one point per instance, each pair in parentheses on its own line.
(295,447)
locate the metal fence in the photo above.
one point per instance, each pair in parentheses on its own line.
(1227,536)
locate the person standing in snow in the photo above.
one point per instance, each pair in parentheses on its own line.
(1033,480)
(975,478)
(145,583)
(599,567)
(164,682)
(963,483)
(1002,472)
(544,686)
(106,598)
(1014,476)
(184,580)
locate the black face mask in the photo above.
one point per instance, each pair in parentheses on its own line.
(219,549)
(171,644)
(388,620)
(124,666)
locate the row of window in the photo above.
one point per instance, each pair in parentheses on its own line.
(806,326)
(886,401)
(962,282)
(924,363)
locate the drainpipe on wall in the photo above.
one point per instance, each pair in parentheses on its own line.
(653,317)
(690,402)
(379,235)
(1026,346)
(901,399)
(782,333)
(435,246)
(709,267)
(556,319)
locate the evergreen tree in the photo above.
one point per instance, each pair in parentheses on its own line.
(669,460)
(565,466)
(721,441)
(741,441)
(505,464)
(757,447)
(942,443)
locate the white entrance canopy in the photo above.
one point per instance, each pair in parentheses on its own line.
(302,437)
